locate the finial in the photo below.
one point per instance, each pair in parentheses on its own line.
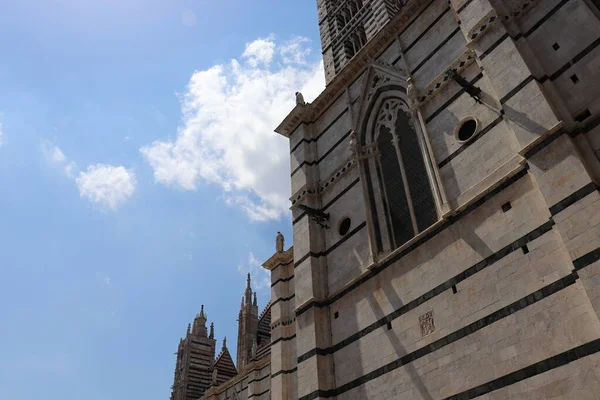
(242,303)
(212,330)
(225,343)
(188,329)
(255,303)
(279,242)
(202,310)
(248,280)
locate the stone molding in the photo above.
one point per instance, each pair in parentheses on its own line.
(279,258)
(324,185)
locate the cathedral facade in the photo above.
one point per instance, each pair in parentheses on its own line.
(446,210)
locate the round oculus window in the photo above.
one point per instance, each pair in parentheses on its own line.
(466,129)
(344,226)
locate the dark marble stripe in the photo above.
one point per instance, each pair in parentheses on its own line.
(281,265)
(259,394)
(447,285)
(282,280)
(284,371)
(322,133)
(450,221)
(410,46)
(435,51)
(259,379)
(334,246)
(493,46)
(543,144)
(540,367)
(546,17)
(496,316)
(451,100)
(311,163)
(336,198)
(587,259)
(478,136)
(575,59)
(282,299)
(573,198)
(465,5)
(517,89)
(283,339)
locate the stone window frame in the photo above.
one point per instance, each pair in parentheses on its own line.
(380,234)
(459,126)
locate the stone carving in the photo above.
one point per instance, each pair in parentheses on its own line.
(300,99)
(376,83)
(426,322)
(215,375)
(279,242)
(388,114)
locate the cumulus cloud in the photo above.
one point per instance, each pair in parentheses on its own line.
(261,278)
(106,185)
(55,156)
(226,134)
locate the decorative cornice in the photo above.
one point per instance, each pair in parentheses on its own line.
(460,64)
(318,189)
(484,24)
(279,258)
(309,112)
(283,322)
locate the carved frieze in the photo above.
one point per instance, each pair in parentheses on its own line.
(427,324)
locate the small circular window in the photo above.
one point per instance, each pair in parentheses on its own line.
(466,129)
(344,226)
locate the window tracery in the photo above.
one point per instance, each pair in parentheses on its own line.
(401,196)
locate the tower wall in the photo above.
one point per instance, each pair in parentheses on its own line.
(500,294)
(195,361)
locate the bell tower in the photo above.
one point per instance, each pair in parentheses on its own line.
(195,360)
(347,25)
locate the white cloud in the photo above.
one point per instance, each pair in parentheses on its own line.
(261,278)
(226,134)
(55,156)
(106,185)
(259,51)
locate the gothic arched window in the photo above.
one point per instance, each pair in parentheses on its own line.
(399,185)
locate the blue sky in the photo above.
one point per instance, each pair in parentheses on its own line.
(139,178)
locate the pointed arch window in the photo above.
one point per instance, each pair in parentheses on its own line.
(401,196)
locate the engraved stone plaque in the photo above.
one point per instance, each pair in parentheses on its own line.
(427,325)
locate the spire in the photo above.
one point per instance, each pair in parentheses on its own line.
(242,303)
(248,291)
(254,303)
(224,344)
(199,327)
(212,330)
